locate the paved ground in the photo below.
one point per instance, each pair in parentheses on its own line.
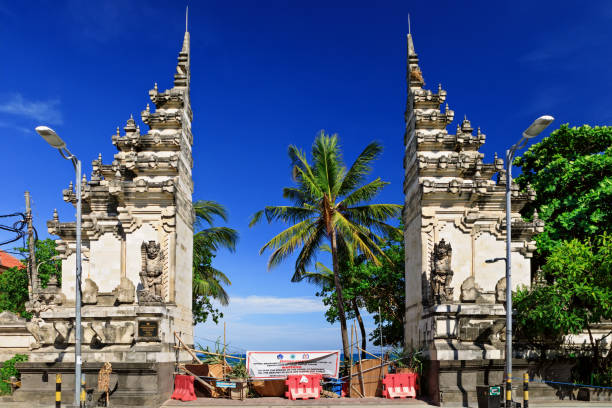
(275,402)
(322,403)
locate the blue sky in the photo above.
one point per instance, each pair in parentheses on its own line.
(268,74)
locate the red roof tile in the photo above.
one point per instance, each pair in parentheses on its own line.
(9,261)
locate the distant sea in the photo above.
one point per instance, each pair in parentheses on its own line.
(233,361)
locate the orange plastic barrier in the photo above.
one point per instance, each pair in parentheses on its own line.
(183,388)
(399,385)
(303,386)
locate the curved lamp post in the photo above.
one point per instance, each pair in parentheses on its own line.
(532,131)
(56,142)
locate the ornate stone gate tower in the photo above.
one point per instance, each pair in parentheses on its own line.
(454,219)
(137,233)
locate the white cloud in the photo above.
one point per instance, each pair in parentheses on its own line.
(251,305)
(262,336)
(15,127)
(42,111)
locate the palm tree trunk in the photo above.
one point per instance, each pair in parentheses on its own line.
(361,327)
(341,313)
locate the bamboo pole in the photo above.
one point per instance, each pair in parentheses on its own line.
(211,353)
(188,349)
(224,328)
(361,384)
(370,354)
(375,367)
(201,381)
(357,391)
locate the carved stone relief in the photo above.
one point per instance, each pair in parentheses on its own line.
(151,273)
(441,274)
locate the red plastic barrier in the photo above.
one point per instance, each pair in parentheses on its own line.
(399,385)
(303,386)
(183,388)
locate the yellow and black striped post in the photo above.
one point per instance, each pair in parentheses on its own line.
(58,390)
(526,390)
(82,390)
(509,391)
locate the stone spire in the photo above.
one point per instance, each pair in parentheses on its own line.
(415,76)
(182,76)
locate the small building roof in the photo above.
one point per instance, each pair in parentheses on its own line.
(9,261)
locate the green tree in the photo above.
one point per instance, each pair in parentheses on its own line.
(46,260)
(579,298)
(14,293)
(571,173)
(379,288)
(208,281)
(330,202)
(14,281)
(324,279)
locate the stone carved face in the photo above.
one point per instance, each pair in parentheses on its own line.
(152,250)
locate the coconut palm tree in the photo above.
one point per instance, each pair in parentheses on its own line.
(207,280)
(324,278)
(330,203)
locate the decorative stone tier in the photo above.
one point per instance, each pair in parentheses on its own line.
(453,382)
(133,384)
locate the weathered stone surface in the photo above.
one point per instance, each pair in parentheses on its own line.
(90,292)
(470,291)
(125,291)
(500,291)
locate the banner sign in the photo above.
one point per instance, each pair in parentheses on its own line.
(280,364)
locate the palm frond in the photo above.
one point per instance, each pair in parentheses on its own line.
(358,236)
(205,210)
(303,173)
(364,193)
(324,277)
(216,238)
(328,165)
(360,168)
(298,197)
(289,245)
(284,236)
(309,250)
(289,214)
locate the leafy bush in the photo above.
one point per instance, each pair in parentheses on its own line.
(8,370)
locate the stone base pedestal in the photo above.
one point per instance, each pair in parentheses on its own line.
(453,383)
(131,384)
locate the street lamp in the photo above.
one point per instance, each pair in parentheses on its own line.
(532,131)
(56,142)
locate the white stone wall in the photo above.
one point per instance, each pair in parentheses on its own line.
(183,276)
(104,262)
(414,267)
(133,242)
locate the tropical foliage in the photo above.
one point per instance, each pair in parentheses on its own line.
(579,297)
(208,281)
(8,370)
(378,288)
(571,173)
(330,203)
(14,281)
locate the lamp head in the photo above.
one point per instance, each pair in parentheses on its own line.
(538,126)
(51,137)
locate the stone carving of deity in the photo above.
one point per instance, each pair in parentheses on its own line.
(441,274)
(151,274)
